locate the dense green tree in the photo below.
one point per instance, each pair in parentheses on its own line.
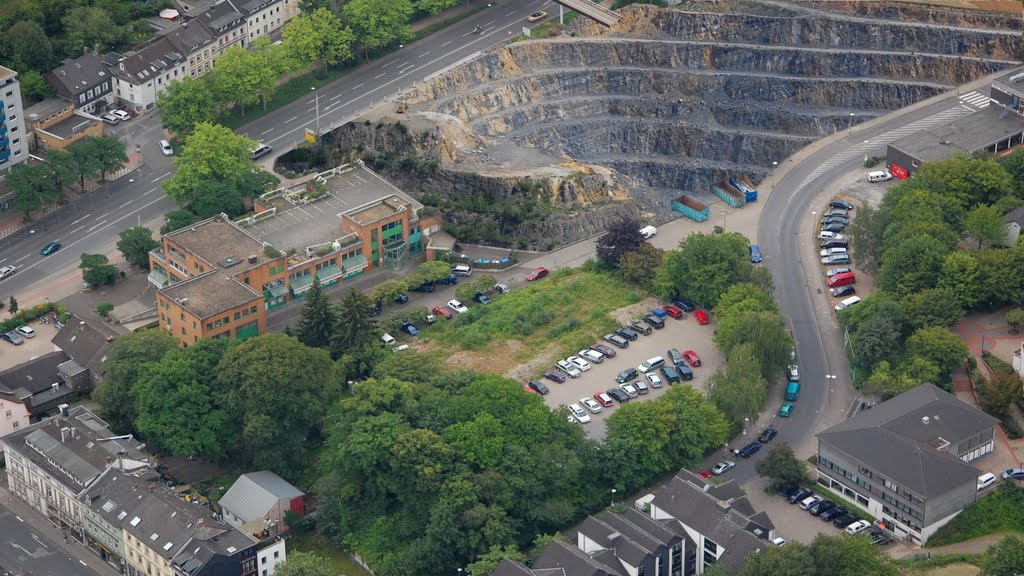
(12,305)
(301,563)
(179,412)
(623,236)
(234,80)
(378,23)
(841,556)
(1004,558)
(434,7)
(999,392)
(1013,163)
(1000,276)
(97,270)
(430,272)
(176,220)
(636,266)
(30,49)
(34,87)
(86,160)
(877,304)
(866,232)
(185,103)
(739,390)
(487,562)
(110,154)
(887,381)
(32,185)
(984,223)
(278,390)
(960,277)
(969,180)
(743,297)
(766,332)
(317,323)
(933,307)
(130,357)
(318,36)
(62,170)
(354,326)
(781,466)
(389,290)
(267,63)
(104,308)
(940,346)
(876,340)
(92,28)
(703,267)
(911,266)
(135,244)
(1015,319)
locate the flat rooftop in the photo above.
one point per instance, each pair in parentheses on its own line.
(6,73)
(211,293)
(220,243)
(967,135)
(350,189)
(46,108)
(69,126)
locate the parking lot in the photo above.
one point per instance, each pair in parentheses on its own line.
(684,334)
(11,355)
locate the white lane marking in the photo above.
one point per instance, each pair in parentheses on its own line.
(36,538)
(125,204)
(148,192)
(425,53)
(4,260)
(267,132)
(359,86)
(446,43)
(161,177)
(378,76)
(82,563)
(19,518)
(80,219)
(290,119)
(510,13)
(489,23)
(22,258)
(76,230)
(403,70)
(388,64)
(98,224)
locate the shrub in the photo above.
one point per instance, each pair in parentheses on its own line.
(104,308)
(39,310)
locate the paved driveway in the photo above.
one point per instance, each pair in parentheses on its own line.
(683,334)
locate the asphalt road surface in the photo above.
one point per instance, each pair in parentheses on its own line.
(24,550)
(92,224)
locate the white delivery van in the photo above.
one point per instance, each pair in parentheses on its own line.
(847,303)
(648,232)
(387,339)
(462,270)
(879,176)
(651,364)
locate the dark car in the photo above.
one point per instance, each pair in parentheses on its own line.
(377,305)
(803,493)
(844,520)
(749,450)
(606,350)
(833,227)
(425,287)
(670,374)
(832,243)
(767,435)
(841,204)
(617,340)
(830,515)
(50,248)
(835,218)
(675,356)
(451,280)
(684,371)
(538,387)
(618,395)
(409,329)
(554,376)
(684,304)
(402,298)
(844,291)
(640,328)
(788,490)
(627,375)
(654,321)
(627,333)
(482,298)
(820,507)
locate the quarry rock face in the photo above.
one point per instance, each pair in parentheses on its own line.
(542,142)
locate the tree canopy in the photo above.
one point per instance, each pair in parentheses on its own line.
(135,244)
(704,267)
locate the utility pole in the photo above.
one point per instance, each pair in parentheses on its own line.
(316,99)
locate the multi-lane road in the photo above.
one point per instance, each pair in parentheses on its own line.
(92,224)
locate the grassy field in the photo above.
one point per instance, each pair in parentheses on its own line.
(1000,511)
(344,565)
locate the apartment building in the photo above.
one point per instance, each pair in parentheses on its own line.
(13,140)
(227,25)
(262,17)
(33,389)
(51,463)
(85,82)
(907,460)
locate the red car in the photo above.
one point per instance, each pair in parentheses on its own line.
(442,311)
(603,399)
(704,474)
(673,311)
(691,358)
(537,274)
(530,390)
(702,317)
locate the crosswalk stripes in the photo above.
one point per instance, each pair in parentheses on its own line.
(976,99)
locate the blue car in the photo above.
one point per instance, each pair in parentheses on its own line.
(50,248)
(409,329)
(755,253)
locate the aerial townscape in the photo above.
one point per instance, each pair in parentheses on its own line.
(511,288)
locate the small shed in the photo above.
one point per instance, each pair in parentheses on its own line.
(257,502)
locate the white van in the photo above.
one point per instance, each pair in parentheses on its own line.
(387,339)
(651,364)
(985,480)
(879,176)
(648,232)
(847,303)
(462,270)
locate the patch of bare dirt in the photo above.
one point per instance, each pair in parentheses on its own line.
(495,359)
(627,314)
(543,362)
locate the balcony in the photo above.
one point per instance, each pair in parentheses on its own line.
(158,255)
(158,278)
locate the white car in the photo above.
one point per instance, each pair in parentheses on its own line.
(25,332)
(165,147)
(592,355)
(571,370)
(124,116)
(6,271)
(794,373)
(829,235)
(857,527)
(723,467)
(629,390)
(458,306)
(401,348)
(986,480)
(653,379)
(833,251)
(779,541)
(590,404)
(579,363)
(579,413)
(810,501)
(111,119)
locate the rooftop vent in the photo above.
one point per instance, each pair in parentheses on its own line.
(229,262)
(925,420)
(252,259)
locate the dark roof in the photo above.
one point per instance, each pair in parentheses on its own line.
(150,60)
(630,550)
(211,293)
(79,75)
(84,343)
(1015,215)
(188,39)
(34,376)
(115,494)
(511,568)
(967,135)
(903,438)
(572,560)
(690,505)
(221,17)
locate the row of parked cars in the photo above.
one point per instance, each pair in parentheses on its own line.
(18,335)
(829,511)
(835,251)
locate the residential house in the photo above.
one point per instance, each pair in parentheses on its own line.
(13,140)
(105,505)
(1012,223)
(227,25)
(86,345)
(83,81)
(51,463)
(54,124)
(907,460)
(257,502)
(262,17)
(31,390)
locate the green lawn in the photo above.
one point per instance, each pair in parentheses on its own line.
(344,564)
(1000,511)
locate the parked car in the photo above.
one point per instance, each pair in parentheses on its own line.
(833,251)
(1014,473)
(458,306)
(755,253)
(691,358)
(833,513)
(110,119)
(670,374)
(590,404)
(402,298)
(409,329)
(25,331)
(837,212)
(619,396)
(722,467)
(166,149)
(641,387)
(579,413)
(840,203)
(557,377)
(627,333)
(605,351)
(502,289)
(629,390)
(123,115)
(482,298)
(673,311)
(858,527)
(833,227)
(836,259)
(6,271)
(450,280)
(701,317)
(831,219)
(50,248)
(540,272)
(800,496)
(674,356)
(426,287)
(627,375)
(442,311)
(569,369)
(684,304)
(794,373)
(844,520)
(767,434)
(985,480)
(617,340)
(810,501)
(603,399)
(538,387)
(786,410)
(661,314)
(749,450)
(836,271)
(654,380)
(684,371)
(13,338)
(842,291)
(788,490)
(578,362)
(261,151)
(654,321)
(592,355)
(640,328)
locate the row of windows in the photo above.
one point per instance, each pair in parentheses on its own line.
(277,269)
(901,518)
(328,263)
(899,504)
(227,320)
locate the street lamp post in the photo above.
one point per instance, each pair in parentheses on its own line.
(723,219)
(775,165)
(316,100)
(613,496)
(851,122)
(746,424)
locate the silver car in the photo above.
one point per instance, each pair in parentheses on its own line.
(6,271)
(569,369)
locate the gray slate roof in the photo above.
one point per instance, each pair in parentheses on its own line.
(571,560)
(78,75)
(893,439)
(255,493)
(32,377)
(1015,215)
(512,568)
(85,344)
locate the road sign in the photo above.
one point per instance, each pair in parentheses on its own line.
(310,135)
